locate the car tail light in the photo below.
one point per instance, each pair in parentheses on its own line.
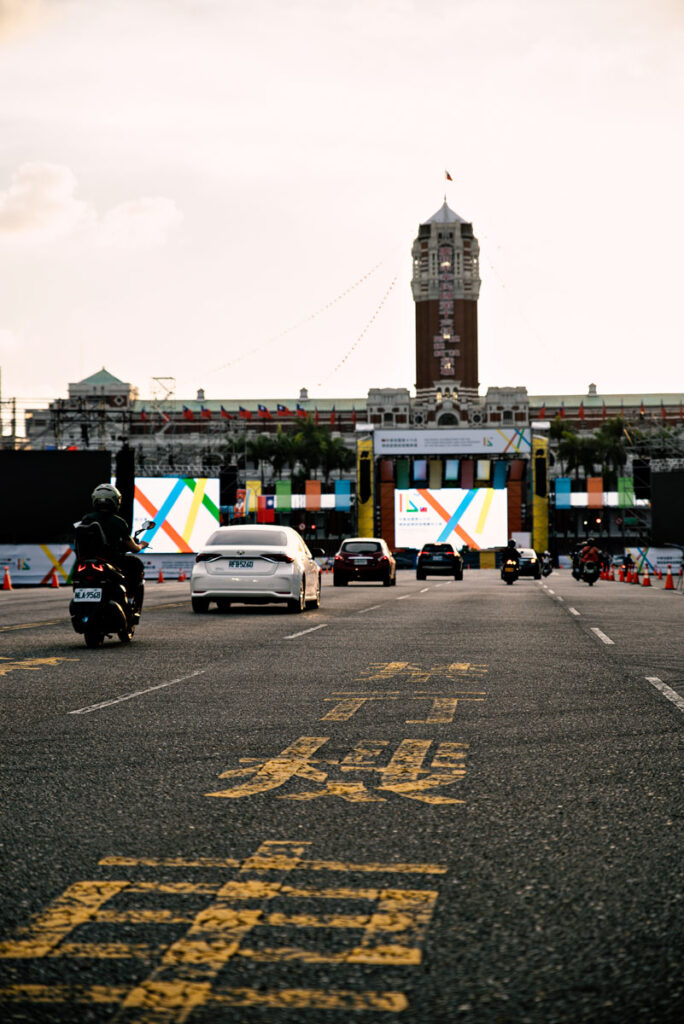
(277,557)
(204,557)
(384,558)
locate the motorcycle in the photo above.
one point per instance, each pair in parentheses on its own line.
(590,572)
(101,605)
(546,566)
(510,571)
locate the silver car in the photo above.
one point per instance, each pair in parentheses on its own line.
(260,564)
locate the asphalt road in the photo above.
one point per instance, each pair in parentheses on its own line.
(434,802)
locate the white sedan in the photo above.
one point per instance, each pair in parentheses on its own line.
(259,564)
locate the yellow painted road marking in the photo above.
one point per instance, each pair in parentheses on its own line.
(30,625)
(29,664)
(392,927)
(443,705)
(294,760)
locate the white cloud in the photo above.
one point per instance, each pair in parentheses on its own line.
(41,205)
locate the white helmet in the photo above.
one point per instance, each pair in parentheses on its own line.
(105,496)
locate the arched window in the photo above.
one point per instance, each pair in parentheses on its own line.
(448,419)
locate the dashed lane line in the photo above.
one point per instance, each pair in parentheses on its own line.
(373,607)
(666,691)
(136,693)
(424,590)
(601,635)
(293,636)
(573,611)
(404,598)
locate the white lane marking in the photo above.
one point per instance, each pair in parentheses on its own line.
(602,636)
(573,611)
(424,590)
(550,590)
(666,691)
(559,598)
(404,597)
(137,693)
(362,611)
(293,636)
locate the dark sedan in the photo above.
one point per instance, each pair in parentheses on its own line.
(364,558)
(439,560)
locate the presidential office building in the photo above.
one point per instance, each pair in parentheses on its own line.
(480,467)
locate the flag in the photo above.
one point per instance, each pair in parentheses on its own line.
(301,411)
(316,416)
(332,416)
(205,413)
(225,414)
(266,508)
(604,412)
(561,411)
(263,413)
(244,414)
(283,410)
(165,417)
(188,414)
(448,176)
(662,411)
(143,414)
(580,411)
(542,412)
(353,417)
(642,410)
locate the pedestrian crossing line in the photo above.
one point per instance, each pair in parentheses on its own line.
(195,959)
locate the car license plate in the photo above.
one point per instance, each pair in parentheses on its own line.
(88,594)
(439,558)
(240,563)
(362,561)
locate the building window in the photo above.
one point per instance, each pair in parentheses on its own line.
(507,416)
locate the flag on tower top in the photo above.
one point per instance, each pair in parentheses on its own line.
(332,416)
(448,176)
(604,412)
(542,412)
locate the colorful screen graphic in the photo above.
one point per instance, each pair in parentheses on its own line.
(477,517)
(185,510)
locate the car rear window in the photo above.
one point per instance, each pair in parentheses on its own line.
(245,535)
(359,546)
(438,547)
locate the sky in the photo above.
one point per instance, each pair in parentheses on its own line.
(223,195)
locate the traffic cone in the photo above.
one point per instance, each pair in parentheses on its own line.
(611,575)
(669,582)
(647,579)
(635,576)
(54,582)
(621,575)
(660,574)
(161,577)
(7,582)
(182,577)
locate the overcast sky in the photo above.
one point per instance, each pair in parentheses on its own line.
(226,193)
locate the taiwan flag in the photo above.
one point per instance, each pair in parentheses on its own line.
(301,411)
(542,412)
(205,413)
(580,411)
(316,416)
(143,414)
(353,417)
(283,410)
(244,414)
(332,416)
(263,413)
(604,412)
(188,414)
(165,417)
(225,415)
(266,508)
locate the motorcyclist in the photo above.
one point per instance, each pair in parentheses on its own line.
(120,548)
(511,552)
(590,553)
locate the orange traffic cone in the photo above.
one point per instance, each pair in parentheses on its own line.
(54,582)
(161,577)
(621,575)
(635,576)
(647,579)
(669,582)
(182,577)
(660,574)
(611,575)
(7,582)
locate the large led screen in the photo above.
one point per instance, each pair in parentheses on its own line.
(477,517)
(185,510)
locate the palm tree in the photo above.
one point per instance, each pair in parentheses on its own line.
(336,455)
(260,450)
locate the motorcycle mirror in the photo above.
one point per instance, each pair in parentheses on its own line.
(149,524)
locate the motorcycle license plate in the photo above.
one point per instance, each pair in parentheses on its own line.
(241,563)
(88,594)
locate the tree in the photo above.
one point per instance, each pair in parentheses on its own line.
(260,450)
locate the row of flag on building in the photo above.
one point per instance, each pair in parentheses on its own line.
(262,412)
(250,499)
(604,411)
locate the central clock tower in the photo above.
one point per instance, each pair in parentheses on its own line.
(446,287)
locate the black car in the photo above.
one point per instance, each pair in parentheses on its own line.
(439,560)
(364,558)
(529,564)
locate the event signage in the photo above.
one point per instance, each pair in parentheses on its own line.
(504,441)
(477,517)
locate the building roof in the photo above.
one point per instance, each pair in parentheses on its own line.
(445,215)
(103,378)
